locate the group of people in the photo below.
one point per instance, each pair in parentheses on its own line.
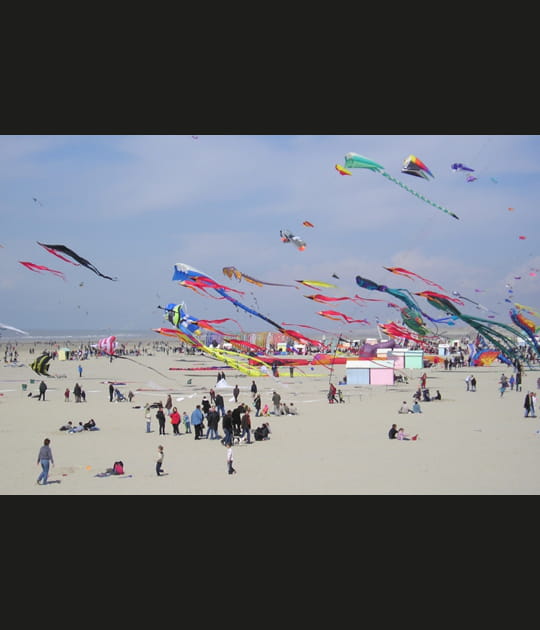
(406,409)
(529,404)
(78,393)
(78,428)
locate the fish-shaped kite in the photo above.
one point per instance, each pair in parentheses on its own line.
(408,274)
(308,224)
(54,249)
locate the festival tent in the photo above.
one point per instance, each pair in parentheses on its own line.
(63,354)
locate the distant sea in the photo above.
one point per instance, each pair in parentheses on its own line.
(77,335)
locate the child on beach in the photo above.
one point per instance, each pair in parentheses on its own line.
(401,435)
(187,421)
(66,395)
(148,418)
(230,460)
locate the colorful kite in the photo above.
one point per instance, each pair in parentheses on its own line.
(342,171)
(54,249)
(316,284)
(107,345)
(527,325)
(288,237)
(336,315)
(354,160)
(408,274)
(233,271)
(414,166)
(40,268)
(308,224)
(457,166)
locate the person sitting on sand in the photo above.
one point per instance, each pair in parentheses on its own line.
(90,425)
(416,407)
(437,396)
(392,432)
(401,435)
(77,429)
(67,427)
(404,408)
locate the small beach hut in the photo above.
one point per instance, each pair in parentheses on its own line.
(63,354)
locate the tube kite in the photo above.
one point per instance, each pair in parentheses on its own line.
(54,249)
(40,268)
(354,160)
(233,271)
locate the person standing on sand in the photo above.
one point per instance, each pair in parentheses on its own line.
(527,405)
(80,370)
(148,418)
(168,405)
(45,458)
(111,392)
(42,390)
(160,415)
(518,381)
(159,461)
(235,392)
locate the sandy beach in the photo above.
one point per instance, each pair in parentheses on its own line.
(469,442)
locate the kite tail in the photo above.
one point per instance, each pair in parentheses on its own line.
(416,194)
(117,356)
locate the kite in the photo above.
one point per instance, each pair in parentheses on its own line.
(527,325)
(414,166)
(412,320)
(40,268)
(233,271)
(54,249)
(289,237)
(36,200)
(522,238)
(461,167)
(479,306)
(314,284)
(522,307)
(428,294)
(318,297)
(308,224)
(107,345)
(353,160)
(471,178)
(396,331)
(342,171)
(40,365)
(335,315)
(334,275)
(401,294)
(407,273)
(6,327)
(251,346)
(498,339)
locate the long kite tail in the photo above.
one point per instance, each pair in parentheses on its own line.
(416,194)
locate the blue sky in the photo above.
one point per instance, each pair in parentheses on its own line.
(136,205)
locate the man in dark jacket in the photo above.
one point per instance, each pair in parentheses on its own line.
(220,404)
(42,390)
(227,429)
(213,420)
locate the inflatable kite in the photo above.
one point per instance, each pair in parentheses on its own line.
(40,365)
(6,327)
(288,237)
(54,249)
(458,166)
(353,160)
(308,224)
(414,166)
(408,274)
(342,171)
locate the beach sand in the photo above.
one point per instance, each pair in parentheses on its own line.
(469,442)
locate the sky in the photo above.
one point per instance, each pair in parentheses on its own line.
(134,205)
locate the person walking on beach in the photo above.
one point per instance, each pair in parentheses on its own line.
(246,426)
(160,415)
(111,392)
(45,458)
(220,405)
(276,399)
(230,460)
(42,390)
(257,404)
(235,392)
(227,428)
(213,421)
(527,405)
(532,397)
(473,383)
(518,381)
(66,395)
(159,460)
(253,388)
(77,393)
(423,380)
(80,370)
(468,382)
